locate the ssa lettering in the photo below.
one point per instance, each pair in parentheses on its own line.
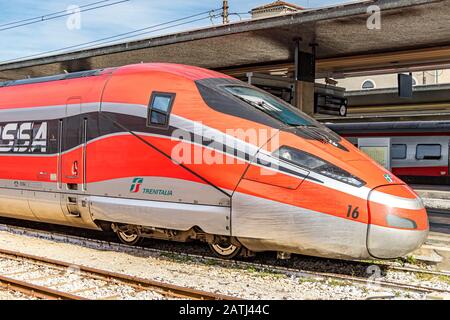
(25,137)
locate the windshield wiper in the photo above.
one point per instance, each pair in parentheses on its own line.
(259,106)
(322,136)
(310,133)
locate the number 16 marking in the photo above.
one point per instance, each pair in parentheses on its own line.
(354,213)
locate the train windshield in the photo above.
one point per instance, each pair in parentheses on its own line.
(272,106)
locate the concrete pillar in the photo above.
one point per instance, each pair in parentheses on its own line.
(304,96)
(304,76)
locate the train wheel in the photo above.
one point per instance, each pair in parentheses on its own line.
(225,249)
(129,237)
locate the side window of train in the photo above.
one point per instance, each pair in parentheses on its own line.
(429,152)
(398,151)
(159,109)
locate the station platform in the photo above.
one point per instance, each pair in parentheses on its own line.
(435,197)
(436,250)
(437,202)
(433,191)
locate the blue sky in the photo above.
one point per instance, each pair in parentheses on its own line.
(105,22)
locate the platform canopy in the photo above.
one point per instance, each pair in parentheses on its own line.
(414,33)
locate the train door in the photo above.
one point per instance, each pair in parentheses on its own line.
(72,155)
(379,149)
(71,151)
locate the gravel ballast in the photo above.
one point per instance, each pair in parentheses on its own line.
(203,275)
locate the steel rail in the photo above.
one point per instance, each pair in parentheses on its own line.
(37,291)
(381,283)
(166,289)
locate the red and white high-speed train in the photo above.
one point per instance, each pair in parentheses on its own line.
(180,153)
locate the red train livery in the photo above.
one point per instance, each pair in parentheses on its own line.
(181,153)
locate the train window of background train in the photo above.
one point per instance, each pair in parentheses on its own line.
(428,152)
(398,151)
(159,108)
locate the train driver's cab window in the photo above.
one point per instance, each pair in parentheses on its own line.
(428,152)
(159,108)
(273,107)
(398,151)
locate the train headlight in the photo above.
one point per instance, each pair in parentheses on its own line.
(313,163)
(399,222)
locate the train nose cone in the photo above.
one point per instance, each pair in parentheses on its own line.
(398,222)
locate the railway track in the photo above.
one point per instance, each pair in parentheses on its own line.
(51,279)
(289,271)
(439,220)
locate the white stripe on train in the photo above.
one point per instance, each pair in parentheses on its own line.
(139,110)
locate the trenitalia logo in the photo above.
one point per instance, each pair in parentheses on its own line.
(136,185)
(388,178)
(24,137)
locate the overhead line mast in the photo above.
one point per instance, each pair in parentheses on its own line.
(225,13)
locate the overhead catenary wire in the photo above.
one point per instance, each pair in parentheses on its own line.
(59,14)
(49,14)
(144,33)
(125,35)
(239,14)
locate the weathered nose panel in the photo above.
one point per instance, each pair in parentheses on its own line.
(398,222)
(388,243)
